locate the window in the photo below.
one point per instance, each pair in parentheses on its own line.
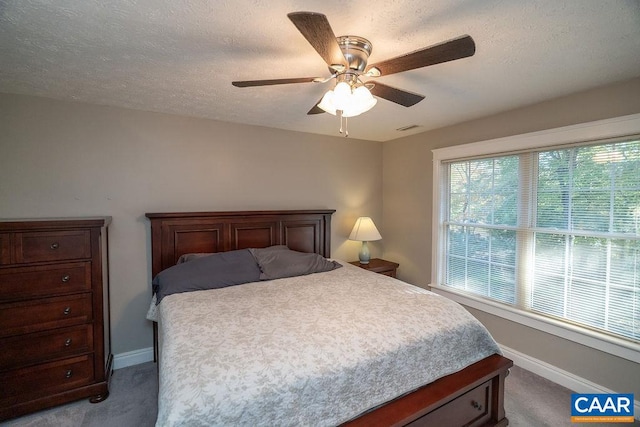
(550,229)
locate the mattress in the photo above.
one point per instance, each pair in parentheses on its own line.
(318,349)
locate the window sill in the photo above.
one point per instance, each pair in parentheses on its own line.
(608,344)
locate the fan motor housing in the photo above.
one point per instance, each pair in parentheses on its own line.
(356,51)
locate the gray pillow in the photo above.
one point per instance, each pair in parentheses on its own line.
(214,271)
(190,257)
(276,262)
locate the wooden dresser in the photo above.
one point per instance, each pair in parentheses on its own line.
(54,313)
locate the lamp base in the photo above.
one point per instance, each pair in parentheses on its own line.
(364,254)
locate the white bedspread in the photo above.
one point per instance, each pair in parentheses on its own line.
(315,350)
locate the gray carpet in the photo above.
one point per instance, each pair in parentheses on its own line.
(533,401)
(132,402)
(530,401)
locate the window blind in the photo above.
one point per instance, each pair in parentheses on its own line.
(556,232)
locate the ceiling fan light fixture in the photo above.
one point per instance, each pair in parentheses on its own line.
(351,102)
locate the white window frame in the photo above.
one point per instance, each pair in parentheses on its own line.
(591,131)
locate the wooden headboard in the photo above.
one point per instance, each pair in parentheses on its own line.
(178,233)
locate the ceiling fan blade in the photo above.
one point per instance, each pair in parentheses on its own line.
(450,50)
(316,29)
(316,109)
(249,83)
(393,94)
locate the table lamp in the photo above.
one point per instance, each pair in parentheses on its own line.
(365,231)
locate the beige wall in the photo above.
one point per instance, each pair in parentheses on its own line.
(68,159)
(407,194)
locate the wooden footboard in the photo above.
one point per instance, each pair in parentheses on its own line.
(472,397)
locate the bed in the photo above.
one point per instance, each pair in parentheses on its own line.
(398,386)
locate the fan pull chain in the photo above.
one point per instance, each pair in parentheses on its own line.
(346,124)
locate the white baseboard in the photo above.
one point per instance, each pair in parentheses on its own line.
(557,375)
(131,358)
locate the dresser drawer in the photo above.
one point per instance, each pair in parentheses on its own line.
(24,350)
(469,410)
(52,246)
(46,313)
(31,282)
(30,383)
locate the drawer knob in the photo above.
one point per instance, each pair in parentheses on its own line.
(55,245)
(476,405)
(66,311)
(66,278)
(67,342)
(68,374)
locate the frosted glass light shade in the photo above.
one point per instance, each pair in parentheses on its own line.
(363,101)
(327,103)
(352,103)
(342,98)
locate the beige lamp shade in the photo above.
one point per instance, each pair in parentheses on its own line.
(365,230)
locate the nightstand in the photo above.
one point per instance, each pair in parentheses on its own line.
(379,266)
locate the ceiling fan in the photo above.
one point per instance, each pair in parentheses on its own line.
(347,56)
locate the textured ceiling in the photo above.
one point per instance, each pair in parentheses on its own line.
(181,56)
